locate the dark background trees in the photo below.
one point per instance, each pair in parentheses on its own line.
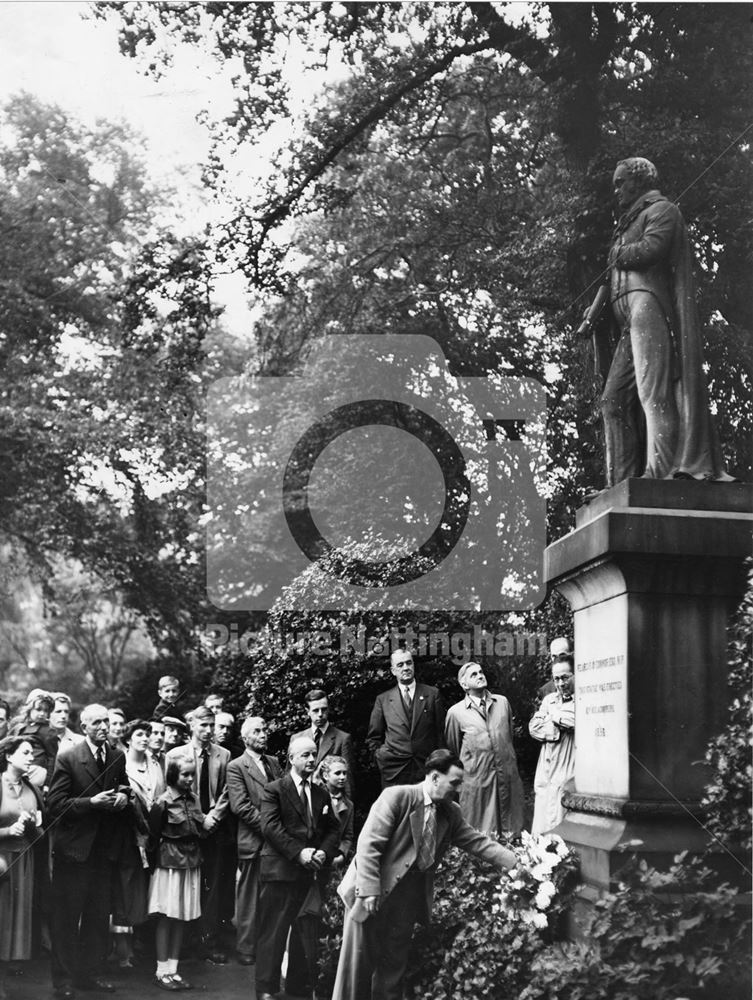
(447,173)
(451,176)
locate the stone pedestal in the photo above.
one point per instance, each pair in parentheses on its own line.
(651,571)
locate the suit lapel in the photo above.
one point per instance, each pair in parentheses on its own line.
(326,745)
(292,793)
(417,820)
(418,705)
(253,771)
(89,763)
(398,703)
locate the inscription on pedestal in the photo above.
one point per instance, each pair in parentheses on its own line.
(601,712)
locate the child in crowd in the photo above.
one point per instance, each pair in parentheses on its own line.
(33,723)
(168,689)
(175,889)
(334,774)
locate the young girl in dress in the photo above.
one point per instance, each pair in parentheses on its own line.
(174,891)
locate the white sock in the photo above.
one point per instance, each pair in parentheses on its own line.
(172,966)
(162,969)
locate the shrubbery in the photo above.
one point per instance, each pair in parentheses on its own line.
(729,794)
(659,936)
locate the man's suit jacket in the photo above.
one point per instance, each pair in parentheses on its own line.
(333,741)
(390,840)
(245,786)
(283,826)
(397,741)
(219,758)
(75,823)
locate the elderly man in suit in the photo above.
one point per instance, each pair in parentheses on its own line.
(407,723)
(301,835)
(390,883)
(247,777)
(328,738)
(209,787)
(86,800)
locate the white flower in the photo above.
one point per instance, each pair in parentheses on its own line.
(545,895)
(539,920)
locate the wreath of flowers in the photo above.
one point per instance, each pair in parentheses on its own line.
(529,889)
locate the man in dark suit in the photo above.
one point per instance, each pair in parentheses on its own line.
(209,787)
(389,885)
(247,777)
(86,800)
(301,835)
(407,723)
(328,738)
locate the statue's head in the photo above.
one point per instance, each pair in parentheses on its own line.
(632,177)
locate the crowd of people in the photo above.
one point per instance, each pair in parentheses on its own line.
(132,833)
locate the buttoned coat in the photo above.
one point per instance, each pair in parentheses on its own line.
(76,779)
(401,745)
(245,786)
(389,844)
(283,826)
(219,759)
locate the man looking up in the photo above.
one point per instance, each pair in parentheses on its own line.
(479,731)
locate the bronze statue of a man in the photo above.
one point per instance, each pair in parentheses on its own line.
(657,422)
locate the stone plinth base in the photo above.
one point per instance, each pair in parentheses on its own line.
(651,571)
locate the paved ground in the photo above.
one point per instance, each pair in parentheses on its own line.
(225,982)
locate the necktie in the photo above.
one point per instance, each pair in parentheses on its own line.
(204,782)
(306,810)
(407,696)
(101,759)
(317,737)
(428,840)
(482,707)
(267,768)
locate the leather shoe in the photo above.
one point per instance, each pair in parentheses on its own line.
(246,960)
(96,984)
(64,992)
(166,983)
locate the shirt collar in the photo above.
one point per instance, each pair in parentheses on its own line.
(407,687)
(470,700)
(428,801)
(94,748)
(298,780)
(322,729)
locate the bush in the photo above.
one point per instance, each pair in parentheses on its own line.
(729,794)
(659,936)
(478,943)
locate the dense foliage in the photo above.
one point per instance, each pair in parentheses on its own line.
(729,795)
(658,936)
